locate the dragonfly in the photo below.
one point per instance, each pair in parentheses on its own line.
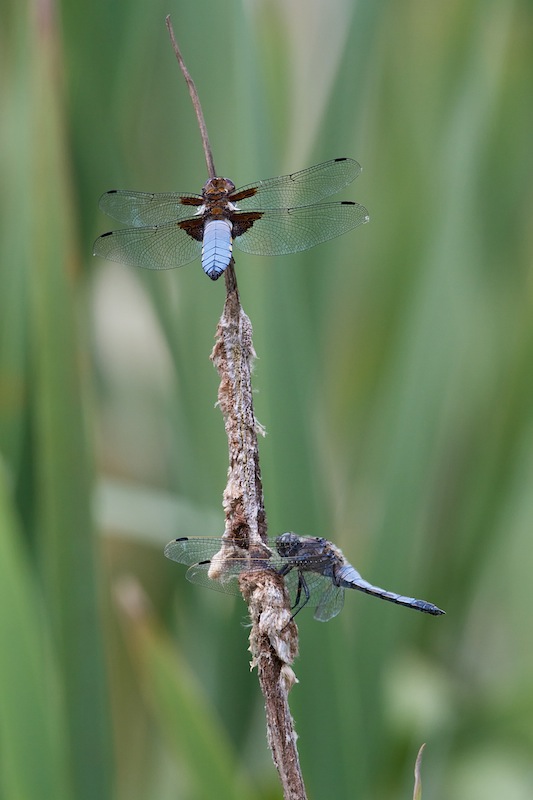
(315,571)
(270,217)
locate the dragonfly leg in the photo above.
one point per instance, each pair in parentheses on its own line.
(285,571)
(298,594)
(302,586)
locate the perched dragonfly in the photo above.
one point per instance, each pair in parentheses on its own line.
(270,218)
(314,569)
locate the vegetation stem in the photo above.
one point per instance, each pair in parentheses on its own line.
(195,101)
(274,635)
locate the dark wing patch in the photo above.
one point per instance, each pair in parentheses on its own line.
(194,227)
(242,222)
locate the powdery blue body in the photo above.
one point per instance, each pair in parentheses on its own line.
(217,247)
(314,570)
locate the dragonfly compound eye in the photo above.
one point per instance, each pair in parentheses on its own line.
(288,544)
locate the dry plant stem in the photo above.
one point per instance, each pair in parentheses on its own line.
(195,101)
(273,636)
(233,357)
(417,792)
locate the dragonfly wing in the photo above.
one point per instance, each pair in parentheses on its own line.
(325,598)
(290,230)
(301,188)
(227,583)
(191,550)
(330,603)
(157,247)
(214,564)
(143,208)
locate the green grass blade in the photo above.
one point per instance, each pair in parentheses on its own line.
(191,729)
(32,720)
(61,455)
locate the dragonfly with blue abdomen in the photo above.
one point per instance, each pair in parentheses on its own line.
(271,217)
(314,569)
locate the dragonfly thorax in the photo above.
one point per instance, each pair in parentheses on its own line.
(217,188)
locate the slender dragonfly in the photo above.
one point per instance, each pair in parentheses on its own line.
(268,218)
(315,571)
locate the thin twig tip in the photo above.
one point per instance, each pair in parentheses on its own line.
(195,100)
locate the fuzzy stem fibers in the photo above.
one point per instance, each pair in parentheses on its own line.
(273,636)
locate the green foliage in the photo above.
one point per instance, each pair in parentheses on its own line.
(394,379)
(32,721)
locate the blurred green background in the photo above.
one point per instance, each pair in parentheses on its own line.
(394,379)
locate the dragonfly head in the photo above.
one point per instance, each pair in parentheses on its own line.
(288,545)
(216,188)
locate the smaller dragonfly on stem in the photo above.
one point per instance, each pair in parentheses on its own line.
(314,569)
(271,217)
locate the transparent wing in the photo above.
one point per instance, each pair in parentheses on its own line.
(330,603)
(301,188)
(227,583)
(158,247)
(325,598)
(198,552)
(290,230)
(227,578)
(143,208)
(190,551)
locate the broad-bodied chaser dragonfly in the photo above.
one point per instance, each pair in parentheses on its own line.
(270,218)
(314,569)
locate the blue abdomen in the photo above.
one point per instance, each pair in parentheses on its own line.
(217,247)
